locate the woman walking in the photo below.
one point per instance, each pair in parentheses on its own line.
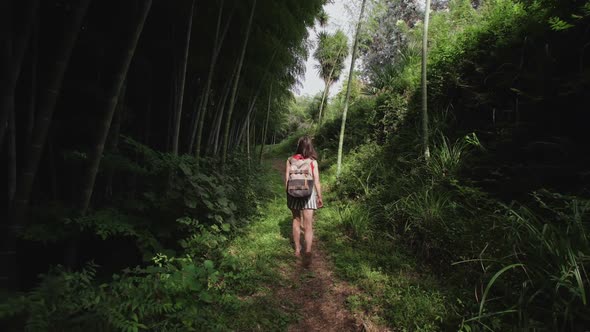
(302,208)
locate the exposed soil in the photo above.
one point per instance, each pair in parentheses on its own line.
(319,296)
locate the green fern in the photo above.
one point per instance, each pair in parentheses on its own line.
(557,24)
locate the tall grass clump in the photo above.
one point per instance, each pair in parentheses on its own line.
(428,210)
(446,157)
(548,286)
(355,221)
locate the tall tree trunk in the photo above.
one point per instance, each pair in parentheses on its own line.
(172,108)
(178,111)
(148,109)
(253,136)
(44,115)
(218,128)
(254,133)
(346,99)
(234,134)
(33,92)
(11,68)
(113,138)
(234,143)
(253,101)
(210,137)
(217,144)
(14,50)
(248,139)
(232,100)
(265,129)
(214,56)
(52,168)
(251,107)
(6,51)
(111,99)
(212,147)
(324,95)
(196,106)
(11,155)
(424,81)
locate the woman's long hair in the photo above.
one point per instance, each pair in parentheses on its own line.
(305,148)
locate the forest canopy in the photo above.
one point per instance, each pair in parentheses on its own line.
(140,142)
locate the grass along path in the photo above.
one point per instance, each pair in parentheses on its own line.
(393,288)
(280,293)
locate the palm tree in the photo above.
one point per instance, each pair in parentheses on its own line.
(331,52)
(342,127)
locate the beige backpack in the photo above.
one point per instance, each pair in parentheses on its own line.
(300,182)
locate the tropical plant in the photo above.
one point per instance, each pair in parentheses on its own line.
(331,51)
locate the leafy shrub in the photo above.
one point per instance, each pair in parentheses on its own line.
(181,216)
(360,171)
(173,294)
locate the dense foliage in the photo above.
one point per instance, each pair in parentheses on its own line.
(172,228)
(127,132)
(500,213)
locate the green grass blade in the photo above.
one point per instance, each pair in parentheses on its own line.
(491,283)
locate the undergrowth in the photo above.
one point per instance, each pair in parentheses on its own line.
(217,276)
(480,231)
(396,290)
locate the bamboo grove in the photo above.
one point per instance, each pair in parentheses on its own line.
(82,79)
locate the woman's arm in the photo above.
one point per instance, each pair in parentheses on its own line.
(286,179)
(317,184)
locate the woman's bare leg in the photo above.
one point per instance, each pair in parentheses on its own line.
(308,225)
(297,231)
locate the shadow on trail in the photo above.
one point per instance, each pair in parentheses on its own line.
(285,226)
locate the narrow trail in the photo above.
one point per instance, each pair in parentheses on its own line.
(318,296)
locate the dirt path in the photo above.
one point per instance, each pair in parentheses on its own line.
(319,296)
